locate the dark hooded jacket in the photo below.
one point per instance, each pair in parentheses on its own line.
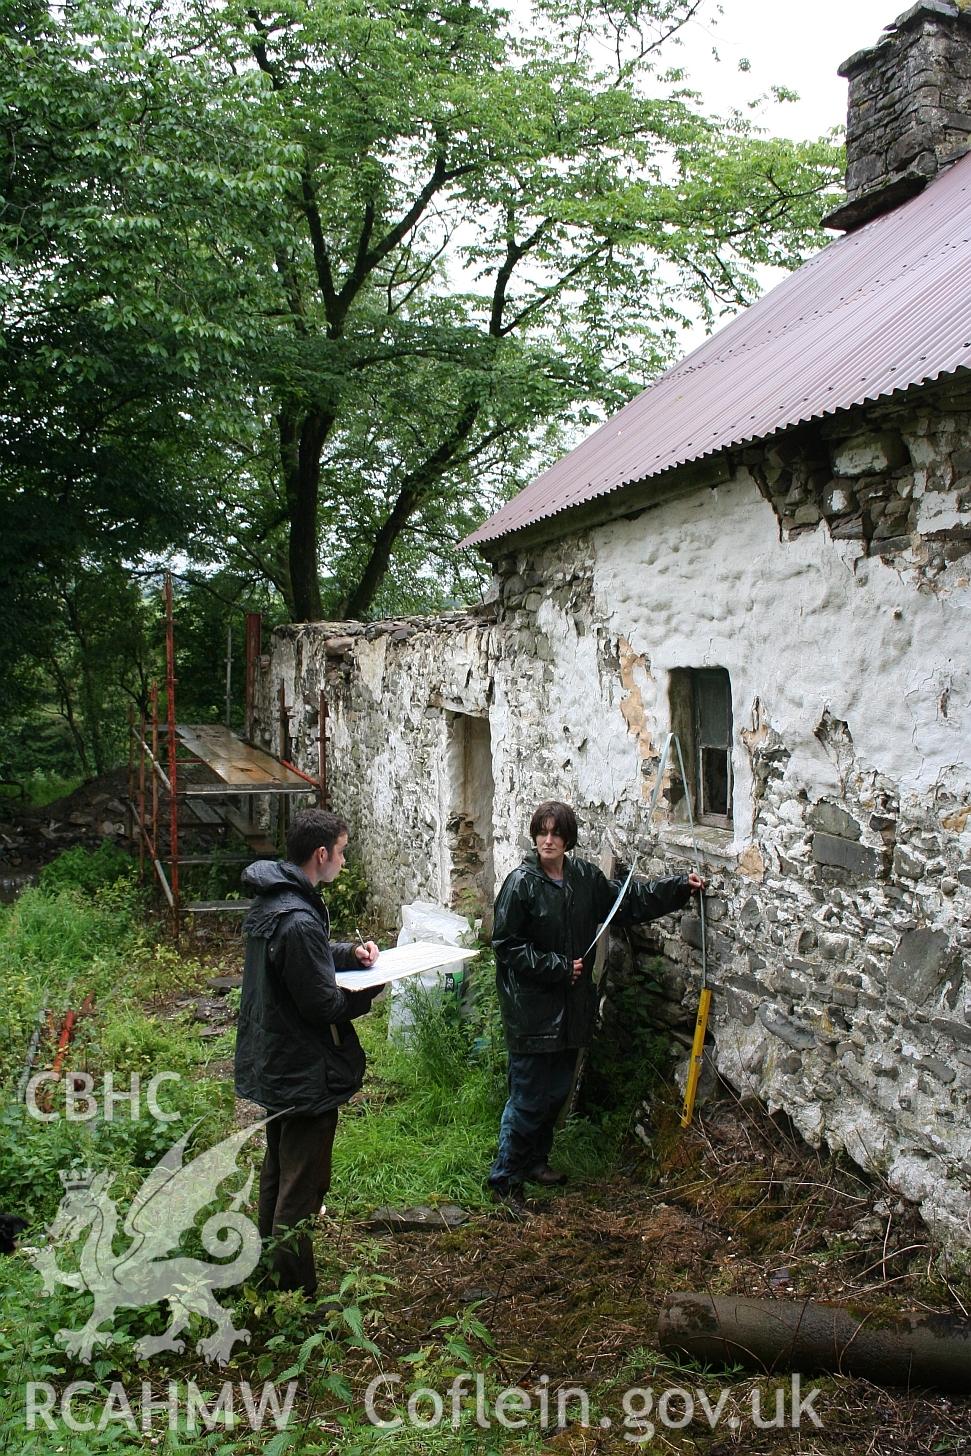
(295,1046)
(541,928)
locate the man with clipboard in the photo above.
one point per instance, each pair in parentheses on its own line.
(297,1053)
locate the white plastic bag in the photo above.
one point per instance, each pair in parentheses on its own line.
(421,920)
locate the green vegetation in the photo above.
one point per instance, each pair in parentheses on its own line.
(422,1132)
(295,294)
(37,786)
(347,901)
(81,935)
(87,871)
(435,1102)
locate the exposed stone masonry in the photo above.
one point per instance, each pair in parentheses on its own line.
(388,737)
(896,481)
(909,109)
(839,986)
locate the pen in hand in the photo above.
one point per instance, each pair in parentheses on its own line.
(368,947)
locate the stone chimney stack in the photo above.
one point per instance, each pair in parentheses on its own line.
(909,109)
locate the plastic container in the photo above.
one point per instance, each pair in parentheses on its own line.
(422,920)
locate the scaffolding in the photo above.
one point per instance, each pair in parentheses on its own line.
(188,782)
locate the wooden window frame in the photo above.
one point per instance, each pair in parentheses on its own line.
(686,721)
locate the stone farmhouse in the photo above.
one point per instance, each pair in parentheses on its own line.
(769,552)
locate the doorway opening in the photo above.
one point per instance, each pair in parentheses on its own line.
(469,825)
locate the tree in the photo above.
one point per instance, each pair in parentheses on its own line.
(305,288)
(125,346)
(485,226)
(121,320)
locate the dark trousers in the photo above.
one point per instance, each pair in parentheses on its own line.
(539,1084)
(293,1180)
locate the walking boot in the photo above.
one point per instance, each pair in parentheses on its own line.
(546,1176)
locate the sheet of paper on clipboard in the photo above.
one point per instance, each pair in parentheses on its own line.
(403,960)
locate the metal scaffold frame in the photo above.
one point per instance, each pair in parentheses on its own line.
(236,769)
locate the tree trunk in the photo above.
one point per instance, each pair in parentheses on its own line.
(930,1350)
(90,697)
(91,704)
(414,489)
(302,439)
(379,558)
(67,711)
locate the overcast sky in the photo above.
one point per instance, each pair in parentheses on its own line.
(788,44)
(799,46)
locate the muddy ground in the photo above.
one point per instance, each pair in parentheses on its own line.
(737,1204)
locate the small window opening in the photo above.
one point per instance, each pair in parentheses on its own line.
(701,716)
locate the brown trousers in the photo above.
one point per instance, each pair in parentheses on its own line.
(293,1181)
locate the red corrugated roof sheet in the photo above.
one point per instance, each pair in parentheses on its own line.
(877,311)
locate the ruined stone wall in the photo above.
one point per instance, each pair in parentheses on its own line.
(392,690)
(400,698)
(829,575)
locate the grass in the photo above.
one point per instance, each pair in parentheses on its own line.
(83,934)
(424,1132)
(415,1140)
(41,787)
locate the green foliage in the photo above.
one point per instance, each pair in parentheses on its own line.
(300,293)
(439,1040)
(52,945)
(87,870)
(37,786)
(81,935)
(574,187)
(435,1100)
(347,903)
(207,606)
(116,356)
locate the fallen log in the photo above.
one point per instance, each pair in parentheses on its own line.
(925,1350)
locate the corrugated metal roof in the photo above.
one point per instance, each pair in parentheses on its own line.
(884,308)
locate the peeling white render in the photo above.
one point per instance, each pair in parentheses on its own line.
(778,621)
(829,575)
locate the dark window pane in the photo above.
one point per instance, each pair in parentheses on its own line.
(714,781)
(714,707)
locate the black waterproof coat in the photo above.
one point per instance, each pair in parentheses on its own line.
(541,928)
(295,1046)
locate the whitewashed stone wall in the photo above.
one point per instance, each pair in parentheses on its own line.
(393,691)
(829,575)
